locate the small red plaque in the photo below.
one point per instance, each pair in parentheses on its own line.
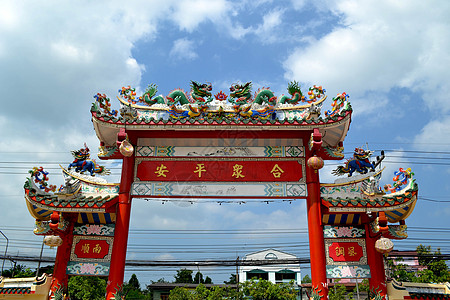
(346,251)
(86,248)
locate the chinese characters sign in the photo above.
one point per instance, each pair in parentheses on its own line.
(90,255)
(96,249)
(345,251)
(346,257)
(241,171)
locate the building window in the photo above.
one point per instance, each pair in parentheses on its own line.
(271,256)
(285,276)
(257,274)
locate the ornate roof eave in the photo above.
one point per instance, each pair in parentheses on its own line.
(401,202)
(333,129)
(41,203)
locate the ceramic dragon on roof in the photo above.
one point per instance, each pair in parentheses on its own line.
(200,103)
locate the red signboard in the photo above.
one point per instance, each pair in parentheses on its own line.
(346,251)
(88,248)
(243,171)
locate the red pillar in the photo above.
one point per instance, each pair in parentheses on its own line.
(377,280)
(315,229)
(119,252)
(60,278)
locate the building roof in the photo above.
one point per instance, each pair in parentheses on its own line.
(267,251)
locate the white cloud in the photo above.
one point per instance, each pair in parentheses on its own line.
(270,22)
(435,135)
(380,47)
(183,49)
(188,14)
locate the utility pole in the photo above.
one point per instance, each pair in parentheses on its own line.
(40,257)
(6,250)
(237,275)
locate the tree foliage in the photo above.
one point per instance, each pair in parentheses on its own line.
(18,271)
(232,279)
(435,268)
(184,276)
(265,290)
(257,290)
(87,288)
(306,279)
(338,292)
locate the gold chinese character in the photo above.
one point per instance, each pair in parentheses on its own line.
(97,249)
(340,251)
(161,171)
(351,251)
(85,248)
(200,168)
(277,171)
(237,171)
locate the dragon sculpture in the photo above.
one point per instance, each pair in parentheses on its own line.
(265,95)
(83,163)
(295,92)
(200,94)
(240,93)
(359,163)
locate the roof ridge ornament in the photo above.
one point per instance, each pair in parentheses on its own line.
(237,106)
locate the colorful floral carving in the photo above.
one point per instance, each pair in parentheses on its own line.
(315,293)
(348,271)
(315,93)
(338,103)
(375,294)
(400,179)
(221,96)
(41,178)
(119,294)
(334,152)
(350,231)
(105,104)
(86,268)
(93,229)
(128,94)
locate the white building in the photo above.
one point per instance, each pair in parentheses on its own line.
(275,273)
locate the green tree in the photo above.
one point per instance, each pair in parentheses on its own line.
(338,292)
(180,293)
(18,271)
(208,280)
(265,290)
(47,269)
(232,279)
(202,293)
(398,270)
(198,278)
(306,279)
(161,280)
(436,270)
(87,288)
(134,282)
(184,276)
(132,289)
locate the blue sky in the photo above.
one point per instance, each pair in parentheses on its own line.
(391,57)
